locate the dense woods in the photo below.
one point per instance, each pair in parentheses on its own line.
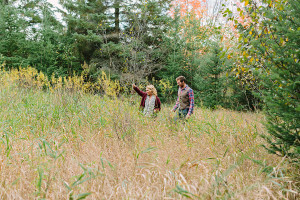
(241,55)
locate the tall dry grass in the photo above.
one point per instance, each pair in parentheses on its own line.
(57,144)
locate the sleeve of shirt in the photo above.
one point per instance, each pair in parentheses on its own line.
(140,92)
(176,105)
(191,99)
(157,104)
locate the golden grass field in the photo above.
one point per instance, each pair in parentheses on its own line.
(74,145)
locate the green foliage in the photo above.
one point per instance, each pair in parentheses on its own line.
(139,51)
(131,41)
(85,22)
(271,45)
(211,79)
(36,39)
(13,41)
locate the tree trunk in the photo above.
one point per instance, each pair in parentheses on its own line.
(117,17)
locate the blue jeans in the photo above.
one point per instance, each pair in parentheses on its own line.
(182,114)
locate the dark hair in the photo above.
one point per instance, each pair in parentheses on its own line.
(181,78)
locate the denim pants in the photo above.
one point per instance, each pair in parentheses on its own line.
(182,114)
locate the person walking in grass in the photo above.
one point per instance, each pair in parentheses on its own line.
(150,103)
(185,99)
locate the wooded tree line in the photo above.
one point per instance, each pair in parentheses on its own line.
(245,56)
(133,41)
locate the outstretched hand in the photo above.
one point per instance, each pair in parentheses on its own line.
(133,85)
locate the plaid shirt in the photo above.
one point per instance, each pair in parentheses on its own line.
(191,99)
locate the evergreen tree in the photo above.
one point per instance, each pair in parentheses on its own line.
(12,36)
(31,35)
(85,21)
(146,24)
(210,78)
(132,39)
(50,51)
(271,43)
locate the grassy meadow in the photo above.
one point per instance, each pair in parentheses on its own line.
(63,144)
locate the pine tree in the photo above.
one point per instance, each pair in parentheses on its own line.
(49,49)
(145,26)
(13,41)
(86,21)
(271,43)
(32,36)
(132,39)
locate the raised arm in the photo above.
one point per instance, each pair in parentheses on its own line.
(140,92)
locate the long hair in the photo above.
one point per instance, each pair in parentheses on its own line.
(152,89)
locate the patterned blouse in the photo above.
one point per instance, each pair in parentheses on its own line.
(149,106)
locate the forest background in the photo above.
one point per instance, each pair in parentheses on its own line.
(240,55)
(133,42)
